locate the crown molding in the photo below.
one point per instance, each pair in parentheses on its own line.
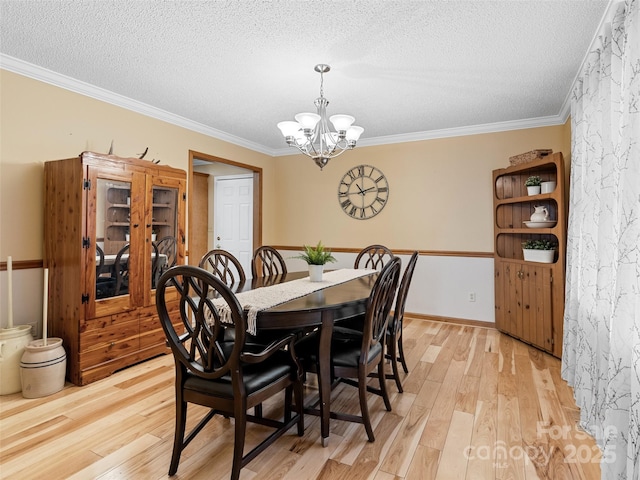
(496,127)
(465,131)
(77,86)
(47,76)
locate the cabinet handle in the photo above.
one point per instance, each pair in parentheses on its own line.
(135,225)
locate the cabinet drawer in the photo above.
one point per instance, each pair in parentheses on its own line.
(108,338)
(151,332)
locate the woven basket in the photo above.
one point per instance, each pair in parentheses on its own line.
(528,156)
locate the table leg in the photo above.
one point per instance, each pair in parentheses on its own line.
(324,374)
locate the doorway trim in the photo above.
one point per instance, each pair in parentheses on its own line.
(257,193)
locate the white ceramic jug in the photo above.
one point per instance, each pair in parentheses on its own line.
(541,214)
(12,343)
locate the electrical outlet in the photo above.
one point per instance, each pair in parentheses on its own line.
(472,296)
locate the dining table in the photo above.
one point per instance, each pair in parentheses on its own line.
(330,303)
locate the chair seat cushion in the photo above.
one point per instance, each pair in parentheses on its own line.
(357,323)
(255,376)
(346,344)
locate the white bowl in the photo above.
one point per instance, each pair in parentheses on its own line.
(546,224)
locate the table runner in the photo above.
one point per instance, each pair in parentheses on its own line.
(253,301)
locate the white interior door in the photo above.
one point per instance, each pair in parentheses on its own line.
(233,217)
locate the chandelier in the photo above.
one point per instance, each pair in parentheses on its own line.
(311,134)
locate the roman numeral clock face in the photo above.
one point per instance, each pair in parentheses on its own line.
(363,192)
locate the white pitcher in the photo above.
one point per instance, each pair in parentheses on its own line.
(541,214)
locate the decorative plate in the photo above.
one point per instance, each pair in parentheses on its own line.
(546,224)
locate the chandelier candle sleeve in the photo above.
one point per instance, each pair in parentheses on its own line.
(311,134)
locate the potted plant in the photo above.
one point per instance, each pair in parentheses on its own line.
(316,257)
(533,185)
(541,251)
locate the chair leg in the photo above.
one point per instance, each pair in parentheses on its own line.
(394,363)
(401,353)
(240,432)
(299,399)
(178,438)
(383,384)
(257,410)
(364,408)
(288,395)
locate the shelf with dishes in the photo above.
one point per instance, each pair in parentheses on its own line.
(541,213)
(529,247)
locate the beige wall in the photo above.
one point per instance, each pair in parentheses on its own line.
(440,195)
(440,190)
(41,122)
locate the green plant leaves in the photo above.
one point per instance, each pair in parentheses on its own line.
(317,255)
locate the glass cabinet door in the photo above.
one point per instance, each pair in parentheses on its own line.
(164,233)
(112,239)
(164,237)
(113,227)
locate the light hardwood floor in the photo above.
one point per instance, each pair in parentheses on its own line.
(477,405)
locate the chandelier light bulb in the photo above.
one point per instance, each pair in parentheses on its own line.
(353,133)
(311,135)
(308,120)
(288,128)
(342,122)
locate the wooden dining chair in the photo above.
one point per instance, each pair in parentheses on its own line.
(373,256)
(355,355)
(121,267)
(225,266)
(267,262)
(167,246)
(105,282)
(156,265)
(227,376)
(395,350)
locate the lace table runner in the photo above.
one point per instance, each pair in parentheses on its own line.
(253,301)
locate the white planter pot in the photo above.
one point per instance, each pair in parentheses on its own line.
(540,256)
(315,273)
(13,340)
(547,187)
(533,190)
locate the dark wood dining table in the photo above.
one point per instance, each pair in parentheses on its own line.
(322,309)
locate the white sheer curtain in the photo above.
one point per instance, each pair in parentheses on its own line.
(601,353)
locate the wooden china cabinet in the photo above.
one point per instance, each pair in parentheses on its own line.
(99,216)
(529,296)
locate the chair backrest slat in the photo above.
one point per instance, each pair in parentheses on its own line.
(267,262)
(197,338)
(379,305)
(373,256)
(225,266)
(403,290)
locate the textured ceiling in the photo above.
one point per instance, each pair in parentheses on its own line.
(236,68)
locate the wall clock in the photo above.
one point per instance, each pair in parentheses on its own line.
(363,192)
